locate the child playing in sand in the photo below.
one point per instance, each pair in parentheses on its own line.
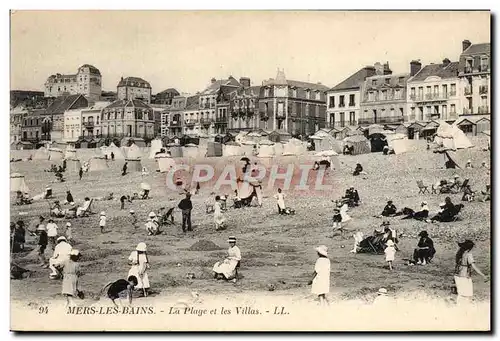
(390,252)
(120,287)
(70,278)
(134,219)
(102,221)
(69,232)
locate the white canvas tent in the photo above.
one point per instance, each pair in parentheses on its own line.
(156,146)
(451,137)
(116,151)
(134,165)
(41,154)
(17,183)
(398,142)
(294,147)
(97,164)
(55,154)
(70,153)
(165,162)
(190,150)
(267,151)
(327,142)
(232,150)
(73,165)
(133,152)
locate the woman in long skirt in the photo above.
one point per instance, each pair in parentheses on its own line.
(218,216)
(227,268)
(463,271)
(140,263)
(321,277)
(70,279)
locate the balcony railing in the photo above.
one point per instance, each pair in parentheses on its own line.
(352,104)
(483,89)
(453,93)
(175,123)
(484,68)
(468,69)
(222,119)
(381,120)
(483,109)
(280,116)
(342,105)
(206,121)
(468,90)
(88,125)
(467,111)
(189,123)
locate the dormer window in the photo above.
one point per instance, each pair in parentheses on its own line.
(266,92)
(308,94)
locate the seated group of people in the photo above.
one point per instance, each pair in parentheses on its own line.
(377,241)
(448,186)
(447,212)
(348,150)
(351,197)
(23,198)
(358,170)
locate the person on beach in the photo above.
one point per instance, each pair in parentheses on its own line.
(464,263)
(227,269)
(134,219)
(43,240)
(280,197)
(321,277)
(102,221)
(124,169)
(120,288)
(69,232)
(425,250)
(218,216)
(52,233)
(185,205)
(59,258)
(390,252)
(139,262)
(70,279)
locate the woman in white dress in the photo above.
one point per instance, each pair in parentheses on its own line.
(139,261)
(226,269)
(280,197)
(463,271)
(321,277)
(218,216)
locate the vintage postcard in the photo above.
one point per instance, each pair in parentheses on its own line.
(250,170)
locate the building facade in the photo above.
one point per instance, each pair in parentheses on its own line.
(131,88)
(244,109)
(35,127)
(475,78)
(16,121)
(172,119)
(55,113)
(292,106)
(166,96)
(383,98)
(73,127)
(128,118)
(433,92)
(344,99)
(87,82)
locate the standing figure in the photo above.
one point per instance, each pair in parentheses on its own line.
(390,252)
(80,172)
(59,258)
(134,219)
(280,197)
(138,259)
(218,216)
(41,231)
(321,277)
(112,156)
(70,278)
(464,263)
(52,233)
(124,169)
(69,232)
(186,206)
(102,221)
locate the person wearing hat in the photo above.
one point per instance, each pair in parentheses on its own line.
(358,170)
(484,165)
(152,225)
(134,219)
(425,250)
(280,197)
(48,192)
(227,269)
(455,183)
(43,240)
(321,276)
(18,236)
(139,262)
(468,193)
(60,256)
(389,209)
(390,252)
(102,221)
(69,198)
(71,271)
(82,209)
(186,206)
(469,164)
(124,169)
(337,221)
(52,233)
(353,196)
(382,297)
(486,195)
(69,232)
(464,263)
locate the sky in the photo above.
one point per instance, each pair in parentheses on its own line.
(184,50)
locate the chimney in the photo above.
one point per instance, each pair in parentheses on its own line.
(387,70)
(370,71)
(465,45)
(415,67)
(245,82)
(446,62)
(121,78)
(212,81)
(379,68)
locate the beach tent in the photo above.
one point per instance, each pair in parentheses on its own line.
(360,143)
(73,165)
(133,152)
(70,153)
(214,149)
(278,149)
(97,163)
(55,154)
(267,151)
(232,149)
(190,150)
(41,154)
(17,183)
(327,142)
(451,137)
(134,165)
(156,146)
(398,142)
(175,150)
(294,147)
(116,151)
(165,162)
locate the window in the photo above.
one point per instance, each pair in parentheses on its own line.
(342,119)
(429,111)
(392,112)
(97,120)
(371,96)
(445,112)
(36,134)
(453,89)
(445,90)
(352,100)
(332,102)
(412,93)
(318,95)
(420,92)
(352,118)
(428,90)
(266,92)
(484,64)
(412,117)
(387,81)
(436,89)
(294,92)
(308,94)
(384,95)
(397,94)
(332,120)
(401,80)
(341,101)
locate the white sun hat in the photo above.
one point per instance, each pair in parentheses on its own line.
(74,252)
(103,213)
(61,238)
(382,291)
(68,224)
(390,242)
(141,247)
(322,250)
(152,214)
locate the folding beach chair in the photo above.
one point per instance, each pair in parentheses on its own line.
(422,188)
